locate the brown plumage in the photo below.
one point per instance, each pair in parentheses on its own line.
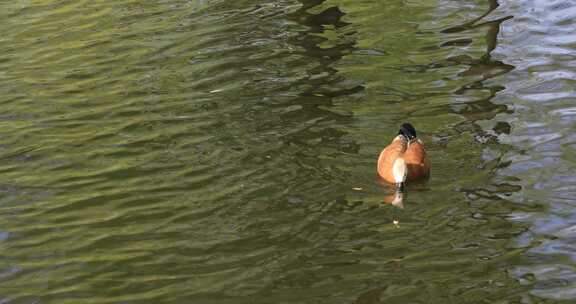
(404,159)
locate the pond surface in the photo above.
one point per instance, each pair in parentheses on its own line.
(224,151)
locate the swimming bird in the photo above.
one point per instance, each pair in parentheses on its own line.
(404,159)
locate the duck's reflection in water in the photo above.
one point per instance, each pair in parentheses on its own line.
(395,199)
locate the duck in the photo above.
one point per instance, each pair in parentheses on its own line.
(404,159)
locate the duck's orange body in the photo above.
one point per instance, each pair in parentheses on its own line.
(404,159)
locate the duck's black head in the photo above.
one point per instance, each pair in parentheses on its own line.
(408,131)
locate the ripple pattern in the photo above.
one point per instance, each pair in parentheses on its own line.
(541,89)
(208,151)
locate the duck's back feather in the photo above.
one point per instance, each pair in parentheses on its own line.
(413,154)
(387,157)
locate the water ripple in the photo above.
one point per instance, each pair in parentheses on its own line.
(213,151)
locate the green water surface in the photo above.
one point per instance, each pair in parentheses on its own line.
(179,151)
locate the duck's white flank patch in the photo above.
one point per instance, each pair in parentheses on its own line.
(399,170)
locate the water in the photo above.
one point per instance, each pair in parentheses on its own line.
(224,151)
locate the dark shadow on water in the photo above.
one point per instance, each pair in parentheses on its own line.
(484,67)
(318,91)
